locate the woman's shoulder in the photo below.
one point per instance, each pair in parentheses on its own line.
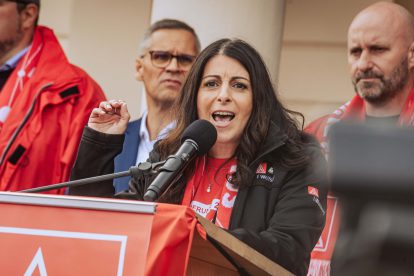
(317,162)
(308,139)
(310,143)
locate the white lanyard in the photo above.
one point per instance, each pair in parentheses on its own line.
(28,58)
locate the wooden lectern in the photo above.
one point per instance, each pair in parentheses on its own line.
(63,235)
(223,254)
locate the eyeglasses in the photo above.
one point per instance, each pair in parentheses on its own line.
(162,59)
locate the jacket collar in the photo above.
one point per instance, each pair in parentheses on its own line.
(275,138)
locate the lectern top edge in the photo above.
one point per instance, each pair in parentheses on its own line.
(78,202)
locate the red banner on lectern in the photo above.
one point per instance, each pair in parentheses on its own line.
(62,235)
(46,240)
(171,240)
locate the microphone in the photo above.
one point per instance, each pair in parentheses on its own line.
(197,139)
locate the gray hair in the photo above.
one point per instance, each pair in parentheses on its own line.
(171,24)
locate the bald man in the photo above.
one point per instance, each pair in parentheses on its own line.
(381,61)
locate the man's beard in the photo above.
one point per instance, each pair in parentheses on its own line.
(379,93)
(7,44)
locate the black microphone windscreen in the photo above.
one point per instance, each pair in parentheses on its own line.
(203,133)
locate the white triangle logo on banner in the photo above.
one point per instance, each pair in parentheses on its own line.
(39,262)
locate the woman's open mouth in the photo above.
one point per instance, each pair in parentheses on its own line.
(223,116)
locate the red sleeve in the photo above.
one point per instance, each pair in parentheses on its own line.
(317,127)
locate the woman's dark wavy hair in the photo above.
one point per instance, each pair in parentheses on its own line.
(266,108)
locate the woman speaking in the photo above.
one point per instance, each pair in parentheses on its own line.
(263,179)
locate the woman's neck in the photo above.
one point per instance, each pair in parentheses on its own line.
(222,151)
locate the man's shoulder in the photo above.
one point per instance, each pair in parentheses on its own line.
(79,72)
(317,125)
(69,76)
(134,124)
(133,129)
(56,66)
(85,83)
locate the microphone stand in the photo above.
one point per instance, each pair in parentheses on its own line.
(143,169)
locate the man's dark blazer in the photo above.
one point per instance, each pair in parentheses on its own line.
(128,156)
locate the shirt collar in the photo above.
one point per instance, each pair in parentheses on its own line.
(12,62)
(143,130)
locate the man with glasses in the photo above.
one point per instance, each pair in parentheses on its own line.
(166,54)
(44,101)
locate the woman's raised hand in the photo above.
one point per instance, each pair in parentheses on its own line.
(111,117)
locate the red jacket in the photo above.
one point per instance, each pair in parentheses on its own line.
(352,110)
(40,137)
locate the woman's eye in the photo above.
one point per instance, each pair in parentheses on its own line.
(210,84)
(239,85)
